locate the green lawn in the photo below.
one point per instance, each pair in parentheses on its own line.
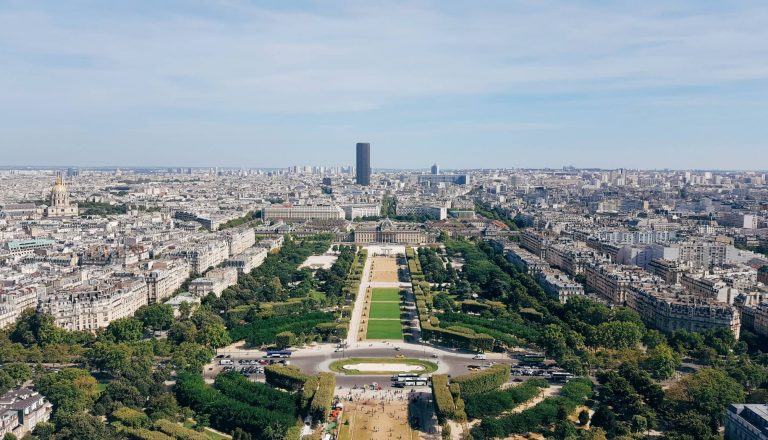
(339,366)
(384,329)
(386,294)
(385,310)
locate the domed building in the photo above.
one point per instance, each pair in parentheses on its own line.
(60,206)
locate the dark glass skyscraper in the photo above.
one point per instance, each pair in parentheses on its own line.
(363,163)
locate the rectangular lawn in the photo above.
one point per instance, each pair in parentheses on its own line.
(385,294)
(386,310)
(384,329)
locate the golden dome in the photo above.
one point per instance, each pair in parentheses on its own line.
(59,187)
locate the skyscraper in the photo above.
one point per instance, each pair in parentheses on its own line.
(363,163)
(435,169)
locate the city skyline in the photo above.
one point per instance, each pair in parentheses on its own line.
(513,84)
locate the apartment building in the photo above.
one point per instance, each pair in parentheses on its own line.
(524,260)
(15,300)
(94,304)
(708,287)
(669,271)
(571,257)
(762,275)
(204,255)
(612,280)
(535,242)
(558,285)
(746,422)
(21,410)
(165,277)
(272,244)
(215,280)
(239,239)
(669,308)
(248,260)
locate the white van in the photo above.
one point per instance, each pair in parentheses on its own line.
(226,362)
(479,357)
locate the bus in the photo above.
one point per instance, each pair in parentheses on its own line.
(405,375)
(561,376)
(278,354)
(532,359)
(403,382)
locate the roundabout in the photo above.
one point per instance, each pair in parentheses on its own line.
(381,366)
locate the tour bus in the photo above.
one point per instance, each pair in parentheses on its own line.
(532,359)
(561,376)
(403,382)
(405,375)
(278,354)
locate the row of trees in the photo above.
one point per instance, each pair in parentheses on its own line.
(228,414)
(495,402)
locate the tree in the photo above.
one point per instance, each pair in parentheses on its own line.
(708,392)
(155,316)
(10,436)
(34,327)
(653,337)
(564,430)
(553,340)
(239,434)
(183,331)
(125,330)
(189,356)
(110,357)
(214,335)
(18,371)
(70,390)
(81,426)
(618,334)
(185,309)
(285,339)
(163,406)
(662,362)
(44,431)
(6,382)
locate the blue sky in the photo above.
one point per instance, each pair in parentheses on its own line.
(529,83)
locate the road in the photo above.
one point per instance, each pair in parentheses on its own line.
(317,359)
(357,310)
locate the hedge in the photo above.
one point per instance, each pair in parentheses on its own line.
(548,411)
(308,392)
(236,386)
(146,434)
(493,403)
(226,413)
(130,417)
(483,381)
(285,377)
(478,341)
(446,407)
(323,398)
(178,432)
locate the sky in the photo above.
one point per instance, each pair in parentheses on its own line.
(467,84)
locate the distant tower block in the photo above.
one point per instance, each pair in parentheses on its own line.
(435,169)
(363,163)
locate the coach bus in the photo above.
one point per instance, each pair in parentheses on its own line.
(278,354)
